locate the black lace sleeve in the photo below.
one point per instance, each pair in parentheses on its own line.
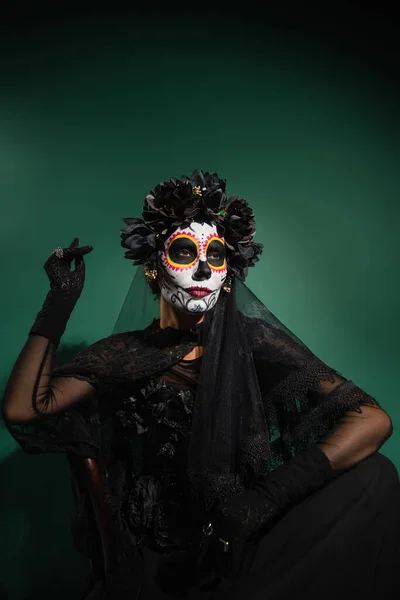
(306,402)
(101,364)
(61,417)
(64,416)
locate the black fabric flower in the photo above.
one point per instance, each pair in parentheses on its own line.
(177,203)
(171,204)
(239,225)
(141,241)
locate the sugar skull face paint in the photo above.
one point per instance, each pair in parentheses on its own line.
(193,267)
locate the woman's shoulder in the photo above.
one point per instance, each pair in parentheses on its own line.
(118,341)
(259,330)
(100,358)
(273,338)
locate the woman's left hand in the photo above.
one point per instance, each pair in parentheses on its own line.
(227,563)
(230,545)
(241,516)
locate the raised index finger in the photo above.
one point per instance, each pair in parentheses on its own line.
(74,243)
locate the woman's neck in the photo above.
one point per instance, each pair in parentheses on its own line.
(171,317)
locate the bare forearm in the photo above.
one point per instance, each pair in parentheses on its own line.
(29,383)
(356,436)
(32,391)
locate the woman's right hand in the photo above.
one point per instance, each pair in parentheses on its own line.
(65,288)
(63,280)
(30,392)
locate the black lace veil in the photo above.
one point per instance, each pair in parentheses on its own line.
(254,371)
(140,306)
(228,399)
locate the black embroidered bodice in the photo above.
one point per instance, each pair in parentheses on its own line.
(155,425)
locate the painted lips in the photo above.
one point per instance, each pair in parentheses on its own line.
(198,292)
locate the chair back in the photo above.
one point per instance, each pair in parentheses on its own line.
(87,472)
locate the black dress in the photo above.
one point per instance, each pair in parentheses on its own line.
(342,539)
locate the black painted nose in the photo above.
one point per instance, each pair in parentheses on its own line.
(203,271)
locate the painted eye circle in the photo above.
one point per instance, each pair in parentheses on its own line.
(215,252)
(182,251)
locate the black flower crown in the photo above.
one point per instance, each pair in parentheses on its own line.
(177,203)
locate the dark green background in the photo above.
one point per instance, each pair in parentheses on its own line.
(301,120)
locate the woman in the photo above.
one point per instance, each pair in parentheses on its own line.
(235,462)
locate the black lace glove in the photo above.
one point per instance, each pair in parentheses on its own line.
(65,288)
(221,564)
(237,523)
(242,516)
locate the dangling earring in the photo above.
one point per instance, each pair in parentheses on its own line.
(151,274)
(227,285)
